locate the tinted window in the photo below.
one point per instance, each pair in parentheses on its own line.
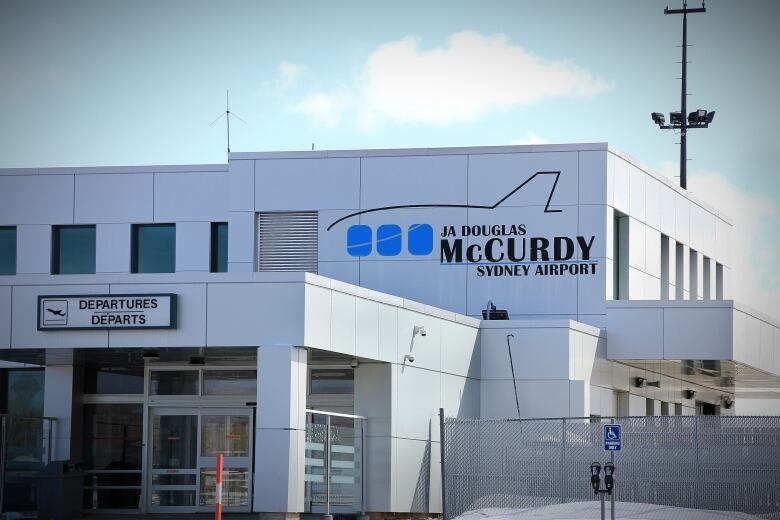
(332,381)
(73,250)
(7,250)
(113,380)
(219,245)
(154,248)
(174,382)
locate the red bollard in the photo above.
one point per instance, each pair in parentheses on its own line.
(218,501)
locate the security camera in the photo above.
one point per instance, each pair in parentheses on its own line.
(419,329)
(409,358)
(354,363)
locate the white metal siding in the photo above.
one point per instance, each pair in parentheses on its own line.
(287,241)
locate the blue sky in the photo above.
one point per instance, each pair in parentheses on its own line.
(108,82)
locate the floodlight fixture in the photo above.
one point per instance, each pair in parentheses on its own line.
(658,118)
(677,120)
(689,394)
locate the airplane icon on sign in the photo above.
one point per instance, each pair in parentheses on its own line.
(57,312)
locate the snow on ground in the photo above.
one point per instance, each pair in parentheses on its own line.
(592,510)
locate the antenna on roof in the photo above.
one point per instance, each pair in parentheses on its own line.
(226,114)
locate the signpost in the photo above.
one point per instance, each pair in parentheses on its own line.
(613,437)
(613,441)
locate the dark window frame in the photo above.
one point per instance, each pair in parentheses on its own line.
(134,244)
(15,255)
(214,266)
(56,242)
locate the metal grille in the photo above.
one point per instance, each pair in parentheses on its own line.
(704,462)
(287,241)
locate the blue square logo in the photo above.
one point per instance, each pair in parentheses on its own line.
(359,240)
(388,240)
(420,239)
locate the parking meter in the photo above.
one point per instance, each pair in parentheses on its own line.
(595,476)
(609,476)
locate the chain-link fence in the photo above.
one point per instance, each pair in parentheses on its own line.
(704,462)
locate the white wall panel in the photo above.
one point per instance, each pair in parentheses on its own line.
(622,186)
(593,177)
(594,221)
(388,333)
(389,181)
(348,272)
(690,331)
(366,328)
(420,280)
(190,323)
(112,248)
(460,352)
(33,249)
(652,252)
(637,193)
(24,333)
(636,244)
(115,198)
(425,349)
(419,397)
(233,310)
(36,199)
(241,238)
(682,211)
(413,475)
(196,196)
(342,323)
(635,335)
(537,353)
(493,176)
(668,212)
(652,202)
(459,397)
(307,184)
(523,295)
(241,192)
(193,246)
(318,317)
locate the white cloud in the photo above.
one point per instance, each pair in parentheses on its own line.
(754,279)
(472,76)
(530,138)
(287,73)
(323,107)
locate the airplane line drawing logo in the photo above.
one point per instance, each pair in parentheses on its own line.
(547,208)
(57,312)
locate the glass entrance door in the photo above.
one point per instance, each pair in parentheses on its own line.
(185,443)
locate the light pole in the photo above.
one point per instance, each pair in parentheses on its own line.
(698,119)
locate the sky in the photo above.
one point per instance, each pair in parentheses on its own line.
(109,82)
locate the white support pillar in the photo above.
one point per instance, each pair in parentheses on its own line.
(280,430)
(58,404)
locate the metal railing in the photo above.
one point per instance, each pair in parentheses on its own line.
(25,448)
(717,463)
(334,463)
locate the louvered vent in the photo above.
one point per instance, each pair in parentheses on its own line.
(287,241)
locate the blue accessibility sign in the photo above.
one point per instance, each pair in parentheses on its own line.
(613,437)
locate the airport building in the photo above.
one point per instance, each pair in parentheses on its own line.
(307,314)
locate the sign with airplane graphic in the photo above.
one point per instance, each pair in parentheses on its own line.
(107,311)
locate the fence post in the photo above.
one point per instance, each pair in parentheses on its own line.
(696,434)
(441,455)
(563,461)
